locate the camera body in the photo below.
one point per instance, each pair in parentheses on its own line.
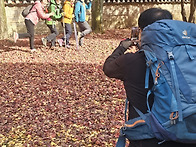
(135,32)
(135,36)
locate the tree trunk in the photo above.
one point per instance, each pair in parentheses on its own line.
(183,12)
(192,11)
(3,21)
(97,12)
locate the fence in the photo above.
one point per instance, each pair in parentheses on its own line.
(144,1)
(18,1)
(106,1)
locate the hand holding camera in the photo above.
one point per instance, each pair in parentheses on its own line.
(134,41)
(126,43)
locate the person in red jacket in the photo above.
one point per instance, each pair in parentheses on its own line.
(31,20)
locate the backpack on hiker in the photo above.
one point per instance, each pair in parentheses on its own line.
(170,50)
(27,10)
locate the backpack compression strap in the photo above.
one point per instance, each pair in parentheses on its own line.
(121,139)
(175,80)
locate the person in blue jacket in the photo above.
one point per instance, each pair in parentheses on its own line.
(81,19)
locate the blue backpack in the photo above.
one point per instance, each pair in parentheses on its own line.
(170,50)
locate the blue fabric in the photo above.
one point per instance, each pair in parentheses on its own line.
(159,131)
(126,106)
(80,11)
(170,50)
(173,43)
(121,141)
(169,32)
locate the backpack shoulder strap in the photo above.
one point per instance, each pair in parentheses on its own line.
(32,8)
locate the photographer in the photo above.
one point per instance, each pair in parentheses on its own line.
(130,67)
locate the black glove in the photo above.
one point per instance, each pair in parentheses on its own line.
(126,43)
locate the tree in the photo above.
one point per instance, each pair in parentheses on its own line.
(3,21)
(192,11)
(97,12)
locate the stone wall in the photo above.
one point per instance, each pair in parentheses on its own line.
(126,15)
(123,15)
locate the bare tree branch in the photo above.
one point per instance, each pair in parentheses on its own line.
(183,12)
(192,10)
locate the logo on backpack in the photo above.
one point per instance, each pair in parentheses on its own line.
(185,34)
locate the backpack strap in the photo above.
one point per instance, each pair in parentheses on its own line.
(122,139)
(126,107)
(32,8)
(176,88)
(147,77)
(151,59)
(189,54)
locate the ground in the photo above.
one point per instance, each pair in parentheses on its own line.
(60,97)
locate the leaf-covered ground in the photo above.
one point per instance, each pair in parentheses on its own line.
(60,97)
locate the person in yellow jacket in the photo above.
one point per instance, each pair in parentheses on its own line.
(67,13)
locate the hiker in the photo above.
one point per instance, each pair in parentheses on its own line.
(66,22)
(54,6)
(31,20)
(130,67)
(81,19)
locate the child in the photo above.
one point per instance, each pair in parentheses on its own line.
(31,20)
(66,22)
(51,23)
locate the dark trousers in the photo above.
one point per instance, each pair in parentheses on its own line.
(155,143)
(68,31)
(54,33)
(84,28)
(30,32)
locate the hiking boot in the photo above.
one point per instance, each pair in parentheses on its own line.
(81,41)
(44,41)
(60,41)
(15,37)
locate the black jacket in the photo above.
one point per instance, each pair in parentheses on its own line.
(131,69)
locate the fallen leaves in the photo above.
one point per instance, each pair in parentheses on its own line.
(60,97)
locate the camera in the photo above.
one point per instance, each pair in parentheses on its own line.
(135,32)
(135,36)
